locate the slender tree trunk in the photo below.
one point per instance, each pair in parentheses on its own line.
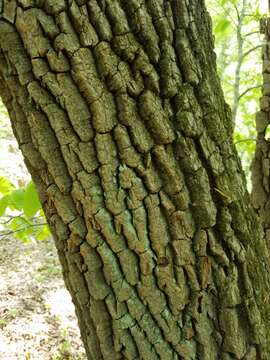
(261,161)
(119,113)
(240,51)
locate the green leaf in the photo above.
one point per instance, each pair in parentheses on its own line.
(19,222)
(21,229)
(31,204)
(43,233)
(222,25)
(3,205)
(16,199)
(5,186)
(223,2)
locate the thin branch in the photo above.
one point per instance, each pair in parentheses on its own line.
(244,140)
(240,46)
(251,50)
(249,89)
(21,229)
(12,217)
(237,13)
(251,33)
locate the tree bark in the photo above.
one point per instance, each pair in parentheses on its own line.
(119,113)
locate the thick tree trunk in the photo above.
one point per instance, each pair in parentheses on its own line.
(120,116)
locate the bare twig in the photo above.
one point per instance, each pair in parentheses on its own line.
(244,140)
(249,89)
(251,33)
(12,217)
(251,50)
(11,232)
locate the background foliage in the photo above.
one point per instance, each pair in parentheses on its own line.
(21,215)
(239,43)
(21,212)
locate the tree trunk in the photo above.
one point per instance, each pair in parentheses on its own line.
(119,114)
(261,161)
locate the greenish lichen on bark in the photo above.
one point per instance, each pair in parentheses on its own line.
(119,113)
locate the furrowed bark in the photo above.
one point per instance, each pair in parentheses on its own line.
(119,114)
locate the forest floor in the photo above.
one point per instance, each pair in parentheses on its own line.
(37,320)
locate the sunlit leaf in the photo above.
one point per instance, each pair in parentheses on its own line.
(224,2)
(3,205)
(21,228)
(5,186)
(222,25)
(43,233)
(31,204)
(19,223)
(16,199)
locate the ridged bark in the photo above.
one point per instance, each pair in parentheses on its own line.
(119,113)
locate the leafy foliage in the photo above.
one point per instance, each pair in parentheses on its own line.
(21,213)
(31,204)
(238,47)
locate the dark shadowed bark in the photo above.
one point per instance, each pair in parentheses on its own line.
(119,113)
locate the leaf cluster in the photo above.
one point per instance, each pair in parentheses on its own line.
(21,213)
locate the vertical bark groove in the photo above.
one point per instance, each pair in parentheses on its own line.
(120,116)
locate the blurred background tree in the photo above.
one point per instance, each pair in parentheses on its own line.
(238,47)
